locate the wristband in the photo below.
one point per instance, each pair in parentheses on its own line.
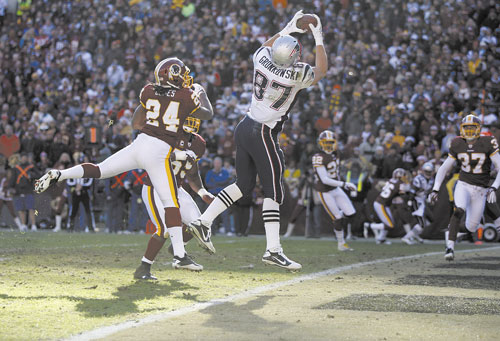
(202,192)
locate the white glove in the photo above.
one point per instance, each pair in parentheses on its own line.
(198,88)
(127,184)
(291,27)
(491,195)
(317,31)
(433,196)
(191,154)
(180,155)
(350,186)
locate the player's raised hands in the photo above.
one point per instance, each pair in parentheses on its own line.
(291,27)
(317,31)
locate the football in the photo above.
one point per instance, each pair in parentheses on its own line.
(303,23)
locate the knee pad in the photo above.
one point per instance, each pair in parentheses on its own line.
(458,212)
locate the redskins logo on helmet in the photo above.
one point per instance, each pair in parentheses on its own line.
(172,72)
(400,174)
(191,125)
(470,128)
(327,141)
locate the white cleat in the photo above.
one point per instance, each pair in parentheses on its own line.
(278,258)
(186,263)
(344,247)
(48,179)
(407,240)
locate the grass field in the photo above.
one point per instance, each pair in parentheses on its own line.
(53,286)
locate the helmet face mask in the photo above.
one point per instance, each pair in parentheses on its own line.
(400,174)
(470,128)
(286,51)
(172,72)
(327,141)
(191,125)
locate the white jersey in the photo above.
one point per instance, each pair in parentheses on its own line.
(275,88)
(421,186)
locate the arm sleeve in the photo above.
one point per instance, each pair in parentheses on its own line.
(442,171)
(323,175)
(495,158)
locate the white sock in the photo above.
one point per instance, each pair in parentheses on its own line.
(33,226)
(145,260)
(177,242)
(289,230)
(340,236)
(271,217)
(377,226)
(450,244)
(74,172)
(222,201)
(407,228)
(409,234)
(383,235)
(58,222)
(417,230)
(18,222)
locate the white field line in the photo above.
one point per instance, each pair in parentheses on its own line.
(109,330)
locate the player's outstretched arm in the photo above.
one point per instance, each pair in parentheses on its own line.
(205,111)
(194,180)
(290,28)
(491,194)
(139,118)
(442,171)
(321,59)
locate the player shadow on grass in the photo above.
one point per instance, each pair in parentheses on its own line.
(226,315)
(124,298)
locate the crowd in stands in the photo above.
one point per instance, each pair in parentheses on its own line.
(401,75)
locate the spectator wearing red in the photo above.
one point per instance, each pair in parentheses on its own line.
(9,143)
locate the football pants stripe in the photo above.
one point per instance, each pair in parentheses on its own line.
(160,229)
(387,216)
(326,206)
(171,179)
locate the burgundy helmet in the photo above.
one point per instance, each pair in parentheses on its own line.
(172,72)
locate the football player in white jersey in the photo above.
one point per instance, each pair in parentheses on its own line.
(420,188)
(475,154)
(278,76)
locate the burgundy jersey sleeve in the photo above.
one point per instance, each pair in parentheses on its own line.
(492,145)
(456,146)
(198,146)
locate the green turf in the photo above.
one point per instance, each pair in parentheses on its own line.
(56,285)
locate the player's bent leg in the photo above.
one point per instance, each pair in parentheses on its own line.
(155,244)
(453,228)
(201,227)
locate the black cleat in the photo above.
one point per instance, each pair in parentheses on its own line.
(186,263)
(278,258)
(449,254)
(142,272)
(202,233)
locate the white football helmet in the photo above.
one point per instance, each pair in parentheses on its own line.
(286,50)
